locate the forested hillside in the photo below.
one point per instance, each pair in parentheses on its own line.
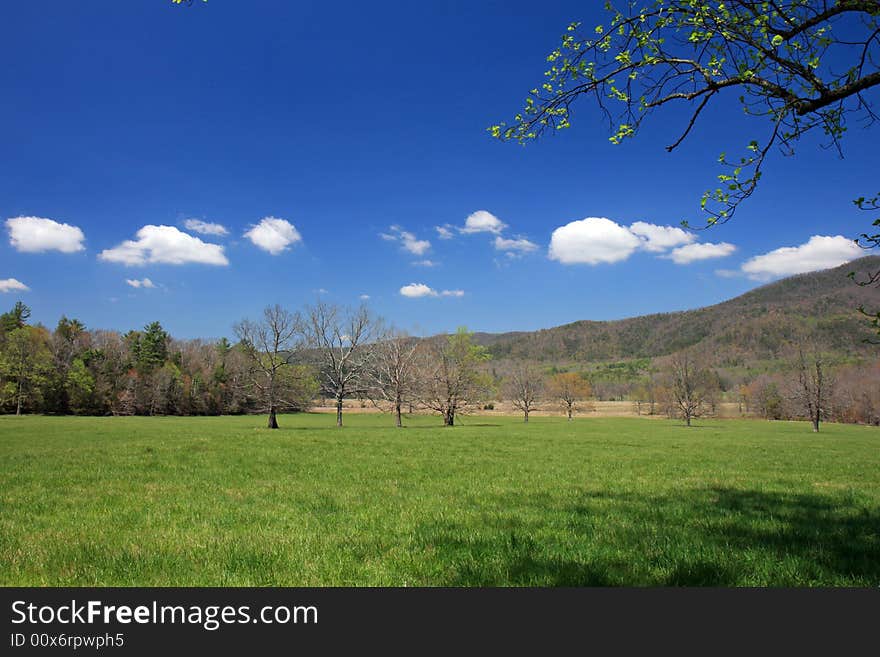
(819,309)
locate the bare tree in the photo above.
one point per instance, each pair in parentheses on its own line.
(813,391)
(569,388)
(271,346)
(393,378)
(643,393)
(856,394)
(452,379)
(344,341)
(524,387)
(691,387)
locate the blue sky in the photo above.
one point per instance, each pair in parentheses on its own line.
(363,128)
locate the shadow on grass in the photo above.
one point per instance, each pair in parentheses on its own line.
(700,537)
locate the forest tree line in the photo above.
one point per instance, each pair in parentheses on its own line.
(284,361)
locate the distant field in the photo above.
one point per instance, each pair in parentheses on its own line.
(599,501)
(591,409)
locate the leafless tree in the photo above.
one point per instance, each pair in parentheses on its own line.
(642,394)
(524,387)
(813,391)
(569,388)
(453,379)
(766,399)
(856,394)
(271,346)
(691,386)
(344,342)
(393,378)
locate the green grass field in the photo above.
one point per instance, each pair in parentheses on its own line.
(222,501)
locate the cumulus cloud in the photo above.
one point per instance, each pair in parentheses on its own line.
(482,221)
(164,245)
(143,282)
(660,238)
(445,232)
(407,240)
(689,253)
(205,227)
(36,235)
(819,252)
(596,240)
(12,285)
(592,241)
(417,290)
(364,297)
(512,246)
(273,235)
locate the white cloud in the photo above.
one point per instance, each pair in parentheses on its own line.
(205,227)
(519,245)
(273,235)
(12,285)
(407,240)
(482,221)
(592,241)
(820,252)
(728,273)
(144,282)
(417,290)
(660,238)
(164,245)
(424,263)
(689,253)
(597,240)
(364,297)
(445,232)
(36,235)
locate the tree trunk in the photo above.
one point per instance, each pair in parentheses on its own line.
(569,412)
(398,421)
(815,420)
(449,418)
(273,423)
(525,415)
(338,410)
(687,419)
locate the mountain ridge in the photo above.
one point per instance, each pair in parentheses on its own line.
(819,308)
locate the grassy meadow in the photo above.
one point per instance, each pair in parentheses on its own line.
(618,501)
